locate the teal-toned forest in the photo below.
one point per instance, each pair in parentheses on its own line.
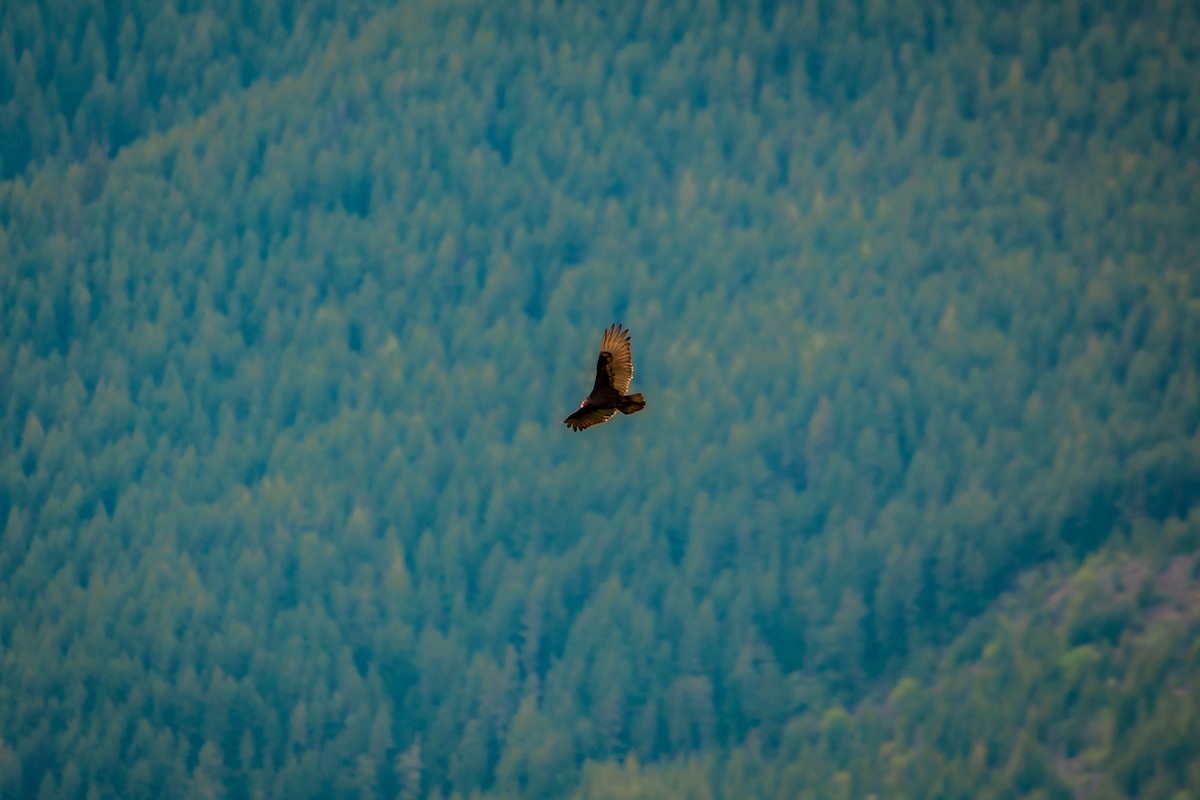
(294,297)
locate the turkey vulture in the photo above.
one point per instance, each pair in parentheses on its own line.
(614,371)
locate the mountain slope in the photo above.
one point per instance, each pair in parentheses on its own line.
(1076,684)
(287,503)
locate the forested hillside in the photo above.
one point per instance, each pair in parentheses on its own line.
(1076,685)
(294,301)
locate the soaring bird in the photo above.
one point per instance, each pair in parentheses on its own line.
(614,371)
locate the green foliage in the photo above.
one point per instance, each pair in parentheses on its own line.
(295,298)
(1013,709)
(93,77)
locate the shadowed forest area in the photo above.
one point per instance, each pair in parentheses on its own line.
(295,297)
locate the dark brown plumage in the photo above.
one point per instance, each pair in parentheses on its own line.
(614,371)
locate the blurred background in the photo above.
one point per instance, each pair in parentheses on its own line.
(295,297)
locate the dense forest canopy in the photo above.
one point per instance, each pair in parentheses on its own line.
(296,295)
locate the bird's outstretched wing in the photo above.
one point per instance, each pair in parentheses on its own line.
(588,416)
(614,367)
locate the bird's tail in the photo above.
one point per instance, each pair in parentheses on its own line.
(632,403)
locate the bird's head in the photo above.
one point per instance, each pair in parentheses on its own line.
(583,402)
